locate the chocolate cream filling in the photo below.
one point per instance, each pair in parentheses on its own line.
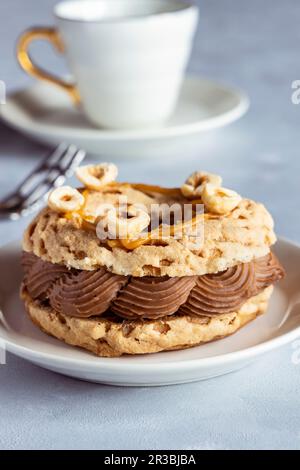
(92,293)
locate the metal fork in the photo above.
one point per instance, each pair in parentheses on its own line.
(52,172)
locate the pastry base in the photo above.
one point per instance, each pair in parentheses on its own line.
(112,338)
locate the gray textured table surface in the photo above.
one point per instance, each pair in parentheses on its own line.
(252,45)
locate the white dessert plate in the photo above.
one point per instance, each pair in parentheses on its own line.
(279,326)
(46,113)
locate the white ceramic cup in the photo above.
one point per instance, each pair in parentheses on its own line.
(128,57)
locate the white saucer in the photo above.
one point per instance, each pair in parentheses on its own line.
(279,326)
(46,114)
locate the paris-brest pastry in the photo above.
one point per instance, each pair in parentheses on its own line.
(113,268)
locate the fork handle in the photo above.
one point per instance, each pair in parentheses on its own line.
(52,35)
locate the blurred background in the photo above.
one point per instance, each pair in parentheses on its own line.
(249,45)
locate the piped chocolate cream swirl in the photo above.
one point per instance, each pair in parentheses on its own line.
(222,292)
(86,293)
(267,271)
(92,293)
(153,297)
(40,277)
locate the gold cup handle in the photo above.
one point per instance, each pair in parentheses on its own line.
(52,35)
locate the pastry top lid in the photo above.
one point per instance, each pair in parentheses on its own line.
(144,230)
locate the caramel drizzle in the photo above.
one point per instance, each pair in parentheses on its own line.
(154,236)
(148,188)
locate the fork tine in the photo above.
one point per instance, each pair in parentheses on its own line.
(55,177)
(16,197)
(56,173)
(53,156)
(57,154)
(67,153)
(74,162)
(44,186)
(53,169)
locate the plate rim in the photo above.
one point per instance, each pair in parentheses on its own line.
(32,127)
(113,364)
